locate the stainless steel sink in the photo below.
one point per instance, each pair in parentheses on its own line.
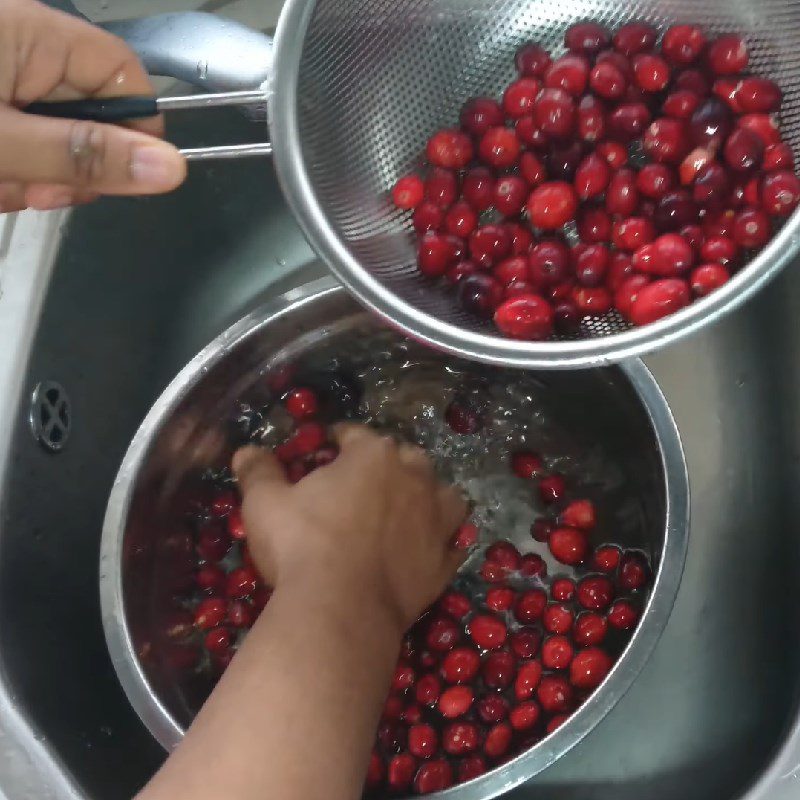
(140,285)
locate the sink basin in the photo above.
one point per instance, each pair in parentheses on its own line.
(139,286)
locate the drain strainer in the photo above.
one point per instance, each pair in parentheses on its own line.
(51,415)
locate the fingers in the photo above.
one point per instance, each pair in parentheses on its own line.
(88,156)
(349,434)
(257,467)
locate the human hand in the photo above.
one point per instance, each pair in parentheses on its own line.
(50,163)
(375,523)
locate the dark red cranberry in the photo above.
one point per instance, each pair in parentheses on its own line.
(743,150)
(552,488)
(499,669)
(711,123)
(631,233)
(683,44)
(590,119)
(505,554)
(404,677)
(595,592)
(519,96)
(563,160)
(694,235)
(492,707)
(528,678)
(471,767)
(441,187)
(489,244)
(614,152)
(213,543)
(241,614)
(587,38)
(460,220)
(442,635)
(635,37)
(566,318)
(672,255)
(512,271)
(210,613)
(591,264)
(563,590)
(778,156)
(694,80)
(762,125)
(634,571)
(532,60)
(529,606)
(608,81)
(606,558)
(460,270)
(408,192)
(525,316)
(460,738)
(594,222)
(533,565)
(622,197)
(498,740)
(541,529)
(650,72)
(529,132)
(510,194)
(532,169)
(589,668)
(594,301)
(666,140)
(477,188)
(780,193)
(525,642)
(619,269)
(589,629)
(658,299)
(570,73)
(751,228)
(674,210)
(435,253)
(463,416)
(435,775)
(479,114)
(756,94)
(727,89)
(623,615)
(681,104)
(460,665)
(708,277)
(526,464)
(719,249)
(499,147)
(592,176)
(711,184)
(427,217)
(521,237)
(499,598)
(554,694)
(549,262)
(451,149)
(218,641)
(568,546)
(524,716)
(375,772)
(655,180)
(428,689)
(628,291)
(454,603)
(728,55)
(628,121)
(552,205)
(558,618)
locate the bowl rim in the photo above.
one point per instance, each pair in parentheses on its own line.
(167,730)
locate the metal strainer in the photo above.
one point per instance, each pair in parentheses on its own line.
(361,84)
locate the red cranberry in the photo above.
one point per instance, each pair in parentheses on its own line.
(694,235)
(568,545)
(557,652)
(762,125)
(551,488)
(471,767)
(519,97)
(659,299)
(681,104)
(532,60)
(499,147)
(760,95)
(672,255)
(241,583)
(727,89)
(403,678)
(533,171)
(499,598)
(479,114)
(455,701)
(454,603)
(595,592)
(428,689)
(606,558)
(525,642)
(218,641)
(650,72)
(408,192)
(480,294)
(563,590)
(375,771)
(433,776)
(719,249)
(526,316)
(728,55)
(529,133)
(674,210)
(554,113)
(743,150)
(557,619)
(529,606)
(460,738)
(552,204)
(461,664)
(615,153)
(643,259)
(549,262)
(666,140)
(570,73)
(711,184)
(693,163)
(489,245)
(592,176)
(460,220)
(682,44)
(505,554)
(427,217)
(622,197)
(554,694)
(308,437)
(460,270)
(400,772)
(587,38)
(694,80)
(589,668)
(487,632)
(210,613)
(512,271)
(608,81)
(532,565)
(524,716)
(711,123)
(492,708)
(521,237)
(635,37)
(751,228)
(594,301)
(541,529)
(443,635)
(620,269)
(526,464)
(590,629)
(708,277)
(423,741)
(628,291)
(478,188)
(210,579)
(778,156)
(241,614)
(223,503)
(579,514)
(780,193)
(510,194)
(623,615)
(634,571)
(591,264)
(655,180)
(434,255)
(450,149)
(498,740)
(498,669)
(528,678)
(441,187)
(594,222)
(628,121)
(260,598)
(631,233)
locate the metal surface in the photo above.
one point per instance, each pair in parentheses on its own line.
(50,415)
(713,716)
(360,86)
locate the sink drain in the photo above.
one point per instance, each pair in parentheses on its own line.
(51,415)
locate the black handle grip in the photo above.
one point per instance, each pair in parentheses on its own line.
(98,109)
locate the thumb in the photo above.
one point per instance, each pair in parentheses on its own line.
(257,467)
(107,159)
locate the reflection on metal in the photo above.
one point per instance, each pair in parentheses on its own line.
(50,415)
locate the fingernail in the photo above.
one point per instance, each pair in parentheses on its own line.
(156,168)
(52,198)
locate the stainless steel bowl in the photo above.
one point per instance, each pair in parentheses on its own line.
(146,554)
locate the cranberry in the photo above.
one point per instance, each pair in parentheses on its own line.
(434,255)
(532,60)
(489,245)
(568,545)
(554,694)
(623,615)
(375,771)
(480,294)
(218,641)
(460,665)
(210,613)
(711,123)
(541,529)
(530,605)
(551,488)
(479,114)
(763,126)
(608,81)
(498,740)
(549,262)
(427,217)
(634,571)
(594,222)
(403,678)
(579,514)
(589,668)
(728,55)
(459,271)
(631,233)
(450,149)
(681,104)
(711,184)
(778,156)
(505,554)
(659,299)
(408,192)
(743,150)
(519,97)
(510,194)
(672,255)
(460,738)
(498,669)
(606,558)
(241,583)
(499,598)
(534,173)
(525,642)
(590,629)
(529,132)
(760,95)
(751,228)
(443,635)
(569,73)
(433,776)
(694,235)
(595,592)
(594,301)
(592,176)
(526,465)
(563,160)
(528,677)
(512,271)
(622,197)
(552,204)
(525,316)
(521,237)
(591,264)
(524,716)
(666,140)
(456,604)
(655,180)
(628,121)
(441,187)
(455,701)
(557,619)
(492,708)
(241,614)
(487,632)
(554,113)
(563,590)
(471,767)
(532,565)
(674,210)
(615,153)
(683,44)
(460,220)
(650,72)
(499,147)
(628,291)
(210,579)
(708,277)
(557,652)
(643,259)
(423,741)
(635,37)
(780,193)
(694,80)
(719,249)
(566,318)
(260,598)
(478,188)
(620,268)
(428,689)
